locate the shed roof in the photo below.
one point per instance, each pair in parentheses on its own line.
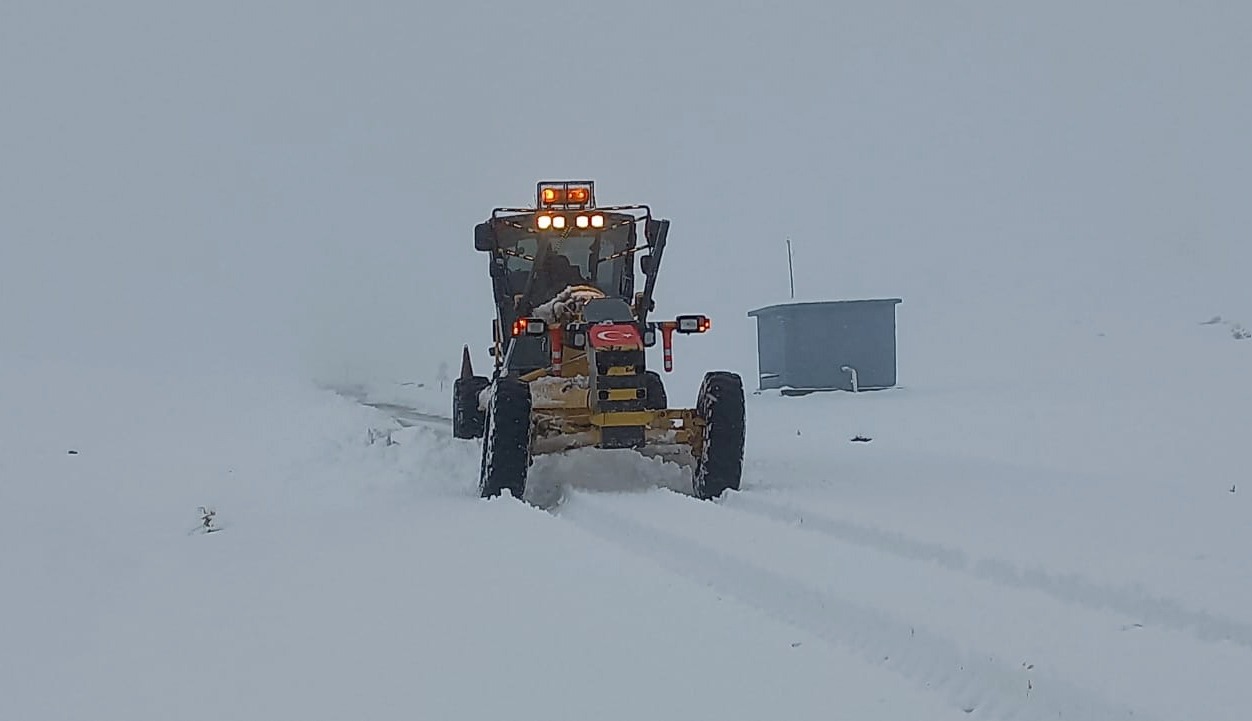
(778,307)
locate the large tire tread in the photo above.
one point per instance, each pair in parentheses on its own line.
(506,441)
(719,465)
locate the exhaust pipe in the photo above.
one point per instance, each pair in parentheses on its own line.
(855,386)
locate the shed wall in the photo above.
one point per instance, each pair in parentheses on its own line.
(807,345)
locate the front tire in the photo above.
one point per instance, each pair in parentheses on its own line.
(506,440)
(719,464)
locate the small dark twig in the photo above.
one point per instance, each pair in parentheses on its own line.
(207,515)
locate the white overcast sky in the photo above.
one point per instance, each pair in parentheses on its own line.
(298,181)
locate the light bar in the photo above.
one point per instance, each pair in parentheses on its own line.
(566,194)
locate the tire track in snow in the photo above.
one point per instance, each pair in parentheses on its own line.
(409,417)
(406,416)
(972,682)
(1070,588)
(1067,587)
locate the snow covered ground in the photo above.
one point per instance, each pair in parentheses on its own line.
(205,205)
(1028,550)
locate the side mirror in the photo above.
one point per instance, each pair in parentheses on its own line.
(484,236)
(645,264)
(652,230)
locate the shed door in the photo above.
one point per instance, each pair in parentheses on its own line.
(771,338)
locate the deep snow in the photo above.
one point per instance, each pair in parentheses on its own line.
(1021,551)
(354,577)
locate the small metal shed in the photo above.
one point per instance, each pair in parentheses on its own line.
(828,345)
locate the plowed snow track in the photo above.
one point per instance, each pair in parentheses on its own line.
(962,625)
(1154,611)
(972,680)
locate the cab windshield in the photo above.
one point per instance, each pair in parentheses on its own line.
(595,259)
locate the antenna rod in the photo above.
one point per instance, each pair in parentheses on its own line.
(791,271)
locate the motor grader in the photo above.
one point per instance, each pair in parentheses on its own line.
(570,342)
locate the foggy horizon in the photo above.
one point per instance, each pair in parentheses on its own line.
(297,183)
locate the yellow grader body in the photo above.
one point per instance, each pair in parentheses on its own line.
(571,336)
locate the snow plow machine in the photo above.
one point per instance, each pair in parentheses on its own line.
(570,340)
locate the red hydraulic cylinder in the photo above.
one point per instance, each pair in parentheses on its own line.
(556,335)
(667,344)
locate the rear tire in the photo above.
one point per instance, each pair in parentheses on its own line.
(506,440)
(655,388)
(467,418)
(719,465)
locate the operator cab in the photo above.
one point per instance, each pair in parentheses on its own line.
(564,241)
